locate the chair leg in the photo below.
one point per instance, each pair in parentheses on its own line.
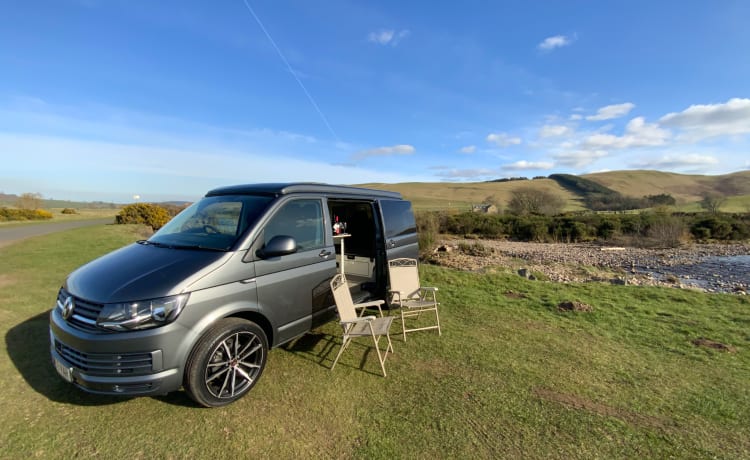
(380,357)
(403,323)
(437,316)
(341,350)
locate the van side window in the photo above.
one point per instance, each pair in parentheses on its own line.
(300,219)
(398,218)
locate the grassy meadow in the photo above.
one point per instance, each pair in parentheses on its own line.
(511,377)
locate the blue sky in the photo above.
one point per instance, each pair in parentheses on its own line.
(106,99)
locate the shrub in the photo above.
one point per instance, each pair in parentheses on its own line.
(531,229)
(712,228)
(607,228)
(69,211)
(174,209)
(144,213)
(428,225)
(570,230)
(41,214)
(527,200)
(10,214)
(663,199)
(29,201)
(666,230)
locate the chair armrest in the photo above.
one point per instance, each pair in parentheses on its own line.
(361,319)
(374,303)
(429,289)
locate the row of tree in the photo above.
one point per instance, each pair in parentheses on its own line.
(647,228)
(534,201)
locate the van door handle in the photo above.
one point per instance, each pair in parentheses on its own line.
(392,244)
(324,254)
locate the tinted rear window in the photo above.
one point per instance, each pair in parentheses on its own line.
(398,218)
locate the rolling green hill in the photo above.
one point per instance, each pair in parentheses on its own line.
(461,195)
(686,189)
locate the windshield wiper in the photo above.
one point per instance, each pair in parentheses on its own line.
(180,246)
(154,243)
(197,246)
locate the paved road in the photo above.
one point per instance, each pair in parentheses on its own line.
(11,235)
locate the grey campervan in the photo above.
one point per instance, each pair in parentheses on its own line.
(244,269)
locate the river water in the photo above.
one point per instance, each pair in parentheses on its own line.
(715,274)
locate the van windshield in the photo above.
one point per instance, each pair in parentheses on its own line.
(213,223)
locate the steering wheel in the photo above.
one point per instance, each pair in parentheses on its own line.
(210,229)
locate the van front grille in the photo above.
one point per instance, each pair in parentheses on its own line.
(84,314)
(107,364)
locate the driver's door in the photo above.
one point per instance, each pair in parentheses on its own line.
(290,286)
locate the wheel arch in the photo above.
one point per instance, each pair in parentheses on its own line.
(259,319)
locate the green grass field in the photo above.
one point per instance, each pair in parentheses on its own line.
(511,377)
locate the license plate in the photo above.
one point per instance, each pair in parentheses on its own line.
(64,371)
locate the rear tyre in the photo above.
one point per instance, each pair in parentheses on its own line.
(226,362)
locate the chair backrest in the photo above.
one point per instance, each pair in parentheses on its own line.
(404,276)
(343,298)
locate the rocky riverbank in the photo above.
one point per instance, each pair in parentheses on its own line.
(707,267)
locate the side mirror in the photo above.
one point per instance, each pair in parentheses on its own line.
(280,245)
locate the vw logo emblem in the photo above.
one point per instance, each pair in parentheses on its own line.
(67,308)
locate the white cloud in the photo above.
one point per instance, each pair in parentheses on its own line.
(401,149)
(527,165)
(710,120)
(676,162)
(556,41)
(468,173)
(503,139)
(576,117)
(553,131)
(469,149)
(638,133)
(579,158)
(612,111)
(387,36)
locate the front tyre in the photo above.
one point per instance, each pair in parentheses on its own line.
(226,362)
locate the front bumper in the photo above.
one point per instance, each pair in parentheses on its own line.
(138,363)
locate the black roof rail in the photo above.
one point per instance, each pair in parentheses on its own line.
(301,187)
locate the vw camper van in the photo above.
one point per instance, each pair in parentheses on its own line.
(199,304)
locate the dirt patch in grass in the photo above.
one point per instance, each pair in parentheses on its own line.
(6,280)
(435,367)
(708,343)
(581,403)
(574,306)
(514,295)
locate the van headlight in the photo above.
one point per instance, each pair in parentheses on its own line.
(143,314)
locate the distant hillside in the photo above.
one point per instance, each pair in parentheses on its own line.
(685,188)
(580,185)
(574,189)
(11,200)
(461,195)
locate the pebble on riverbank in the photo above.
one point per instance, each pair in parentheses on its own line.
(565,263)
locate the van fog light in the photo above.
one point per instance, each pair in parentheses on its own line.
(142,314)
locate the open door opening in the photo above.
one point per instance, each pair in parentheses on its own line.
(359,262)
